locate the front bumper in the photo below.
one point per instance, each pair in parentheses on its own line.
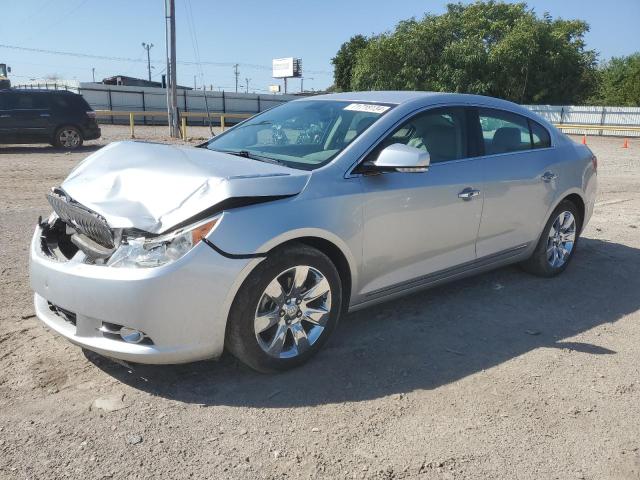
(182,307)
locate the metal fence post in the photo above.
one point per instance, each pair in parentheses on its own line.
(602,117)
(110,104)
(144,109)
(131,124)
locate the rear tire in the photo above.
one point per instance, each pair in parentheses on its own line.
(275,323)
(558,242)
(68,137)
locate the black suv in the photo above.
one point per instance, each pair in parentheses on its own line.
(61,118)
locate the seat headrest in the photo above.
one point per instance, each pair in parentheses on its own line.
(441,143)
(506,139)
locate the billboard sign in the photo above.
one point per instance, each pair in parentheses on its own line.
(287,67)
(282,67)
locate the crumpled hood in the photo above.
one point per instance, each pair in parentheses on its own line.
(154,187)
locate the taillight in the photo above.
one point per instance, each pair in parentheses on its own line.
(594,161)
(91,114)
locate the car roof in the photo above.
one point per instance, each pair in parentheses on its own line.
(38,91)
(421,99)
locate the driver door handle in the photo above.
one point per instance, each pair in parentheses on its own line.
(468,193)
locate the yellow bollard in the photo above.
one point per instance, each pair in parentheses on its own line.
(222,122)
(183,119)
(131,124)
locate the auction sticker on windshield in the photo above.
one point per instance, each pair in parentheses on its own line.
(367,107)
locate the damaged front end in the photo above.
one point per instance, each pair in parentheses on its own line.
(74,227)
(74,232)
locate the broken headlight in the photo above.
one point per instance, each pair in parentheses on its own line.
(145,252)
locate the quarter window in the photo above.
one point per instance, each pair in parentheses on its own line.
(539,135)
(441,132)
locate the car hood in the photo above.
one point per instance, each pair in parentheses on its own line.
(153,187)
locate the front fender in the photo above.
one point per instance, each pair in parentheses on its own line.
(335,218)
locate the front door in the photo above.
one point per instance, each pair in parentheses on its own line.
(416,224)
(7,127)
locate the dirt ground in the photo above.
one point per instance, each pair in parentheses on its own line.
(500,376)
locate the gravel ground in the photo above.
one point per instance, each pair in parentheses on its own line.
(500,376)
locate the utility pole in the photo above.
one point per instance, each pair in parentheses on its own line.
(147,47)
(247,81)
(93,74)
(236,72)
(172,94)
(194,83)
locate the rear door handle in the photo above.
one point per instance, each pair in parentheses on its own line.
(548,176)
(45,114)
(5,116)
(468,193)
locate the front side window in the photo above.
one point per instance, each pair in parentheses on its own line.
(302,134)
(441,132)
(503,132)
(8,101)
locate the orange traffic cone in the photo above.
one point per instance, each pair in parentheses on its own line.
(584,139)
(626,143)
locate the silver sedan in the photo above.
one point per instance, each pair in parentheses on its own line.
(259,240)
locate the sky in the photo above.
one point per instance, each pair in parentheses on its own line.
(248,32)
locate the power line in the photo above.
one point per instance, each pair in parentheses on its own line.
(126,59)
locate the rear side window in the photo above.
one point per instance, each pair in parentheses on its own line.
(539,135)
(27,101)
(442,132)
(504,132)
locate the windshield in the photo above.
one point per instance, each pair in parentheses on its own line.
(300,134)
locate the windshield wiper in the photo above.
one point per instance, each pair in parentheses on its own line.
(253,156)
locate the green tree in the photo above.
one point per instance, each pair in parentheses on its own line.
(491,48)
(345,59)
(619,82)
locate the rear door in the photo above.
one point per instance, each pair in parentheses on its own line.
(518,186)
(30,116)
(417,224)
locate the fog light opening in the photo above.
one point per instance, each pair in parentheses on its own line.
(131,335)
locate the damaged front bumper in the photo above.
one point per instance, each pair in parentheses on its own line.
(181,308)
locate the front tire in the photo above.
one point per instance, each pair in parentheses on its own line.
(557,243)
(68,137)
(286,309)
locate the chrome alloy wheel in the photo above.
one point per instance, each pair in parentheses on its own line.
(562,238)
(69,138)
(292,312)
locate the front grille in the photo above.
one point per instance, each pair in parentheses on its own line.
(82,219)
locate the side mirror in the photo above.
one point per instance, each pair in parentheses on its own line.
(402,158)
